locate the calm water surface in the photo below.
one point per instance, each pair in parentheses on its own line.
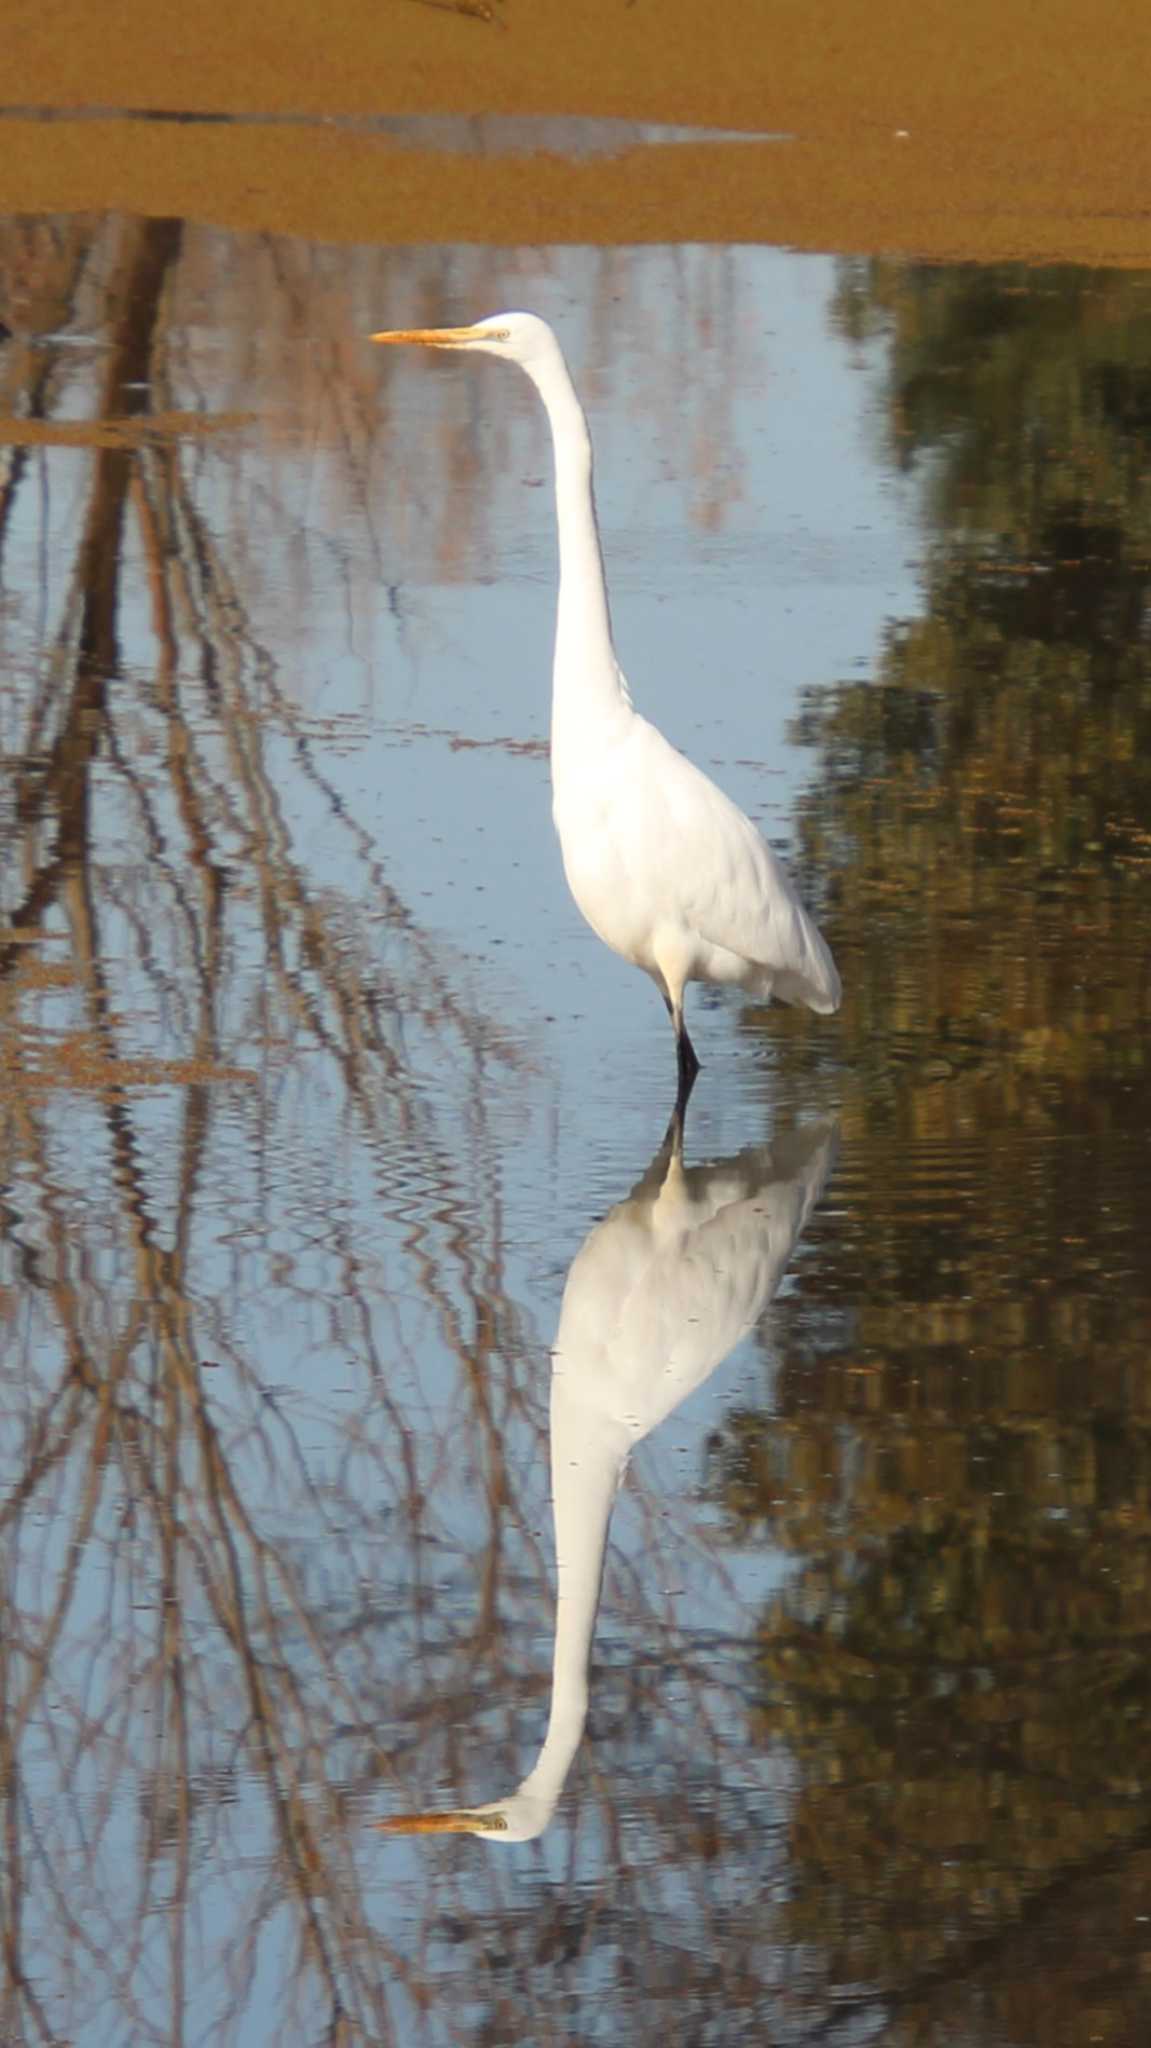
(324,1121)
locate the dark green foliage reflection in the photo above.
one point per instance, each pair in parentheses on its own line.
(963,1469)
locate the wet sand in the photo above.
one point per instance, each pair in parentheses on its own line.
(989,131)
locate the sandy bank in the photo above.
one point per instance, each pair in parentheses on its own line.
(921,125)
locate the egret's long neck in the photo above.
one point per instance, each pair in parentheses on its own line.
(586,678)
(588,1458)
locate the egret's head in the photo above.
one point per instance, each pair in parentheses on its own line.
(518,337)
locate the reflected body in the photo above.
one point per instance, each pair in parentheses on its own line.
(661,1291)
(664,867)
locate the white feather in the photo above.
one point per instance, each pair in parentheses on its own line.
(665,868)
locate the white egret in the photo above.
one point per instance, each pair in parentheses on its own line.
(665,868)
(657,1296)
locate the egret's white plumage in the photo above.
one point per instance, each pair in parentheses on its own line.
(657,1296)
(663,865)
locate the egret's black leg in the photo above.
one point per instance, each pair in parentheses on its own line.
(686,1059)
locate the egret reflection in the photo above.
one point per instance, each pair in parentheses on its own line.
(658,1295)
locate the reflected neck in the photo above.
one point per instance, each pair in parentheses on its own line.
(588,1457)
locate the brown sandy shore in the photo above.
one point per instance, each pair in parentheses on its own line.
(948,128)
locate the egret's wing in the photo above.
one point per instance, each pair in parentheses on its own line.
(724,878)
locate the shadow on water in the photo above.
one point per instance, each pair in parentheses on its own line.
(284,1221)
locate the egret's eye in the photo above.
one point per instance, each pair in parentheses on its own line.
(500,334)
